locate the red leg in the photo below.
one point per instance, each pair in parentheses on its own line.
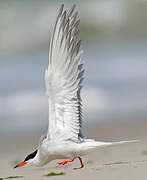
(81,162)
(65,162)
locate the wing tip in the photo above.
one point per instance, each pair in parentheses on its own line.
(62,6)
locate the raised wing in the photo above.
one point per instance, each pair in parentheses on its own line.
(64,77)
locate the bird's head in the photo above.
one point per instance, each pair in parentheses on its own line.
(27,160)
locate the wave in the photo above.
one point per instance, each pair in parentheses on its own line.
(29,109)
(34,103)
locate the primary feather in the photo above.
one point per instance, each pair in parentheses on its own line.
(64,78)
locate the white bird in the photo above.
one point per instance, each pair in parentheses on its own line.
(63,78)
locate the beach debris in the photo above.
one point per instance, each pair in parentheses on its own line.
(117,163)
(11,177)
(144,152)
(54,174)
(89,162)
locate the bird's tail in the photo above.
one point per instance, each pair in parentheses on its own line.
(118,142)
(91,145)
(98,144)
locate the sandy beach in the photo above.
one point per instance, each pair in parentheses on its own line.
(123,162)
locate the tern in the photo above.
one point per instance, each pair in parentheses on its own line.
(63,79)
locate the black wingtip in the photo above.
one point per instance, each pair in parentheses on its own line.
(61,7)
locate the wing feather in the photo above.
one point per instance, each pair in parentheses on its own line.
(64,77)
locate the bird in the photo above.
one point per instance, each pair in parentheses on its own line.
(64,80)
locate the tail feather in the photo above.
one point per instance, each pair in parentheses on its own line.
(98,144)
(90,145)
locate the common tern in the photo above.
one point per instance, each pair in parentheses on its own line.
(63,79)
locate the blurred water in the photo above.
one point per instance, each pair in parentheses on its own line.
(115,87)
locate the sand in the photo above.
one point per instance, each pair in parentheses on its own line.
(121,162)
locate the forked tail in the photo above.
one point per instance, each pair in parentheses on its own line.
(91,144)
(98,143)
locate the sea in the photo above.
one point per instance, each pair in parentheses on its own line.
(114,89)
